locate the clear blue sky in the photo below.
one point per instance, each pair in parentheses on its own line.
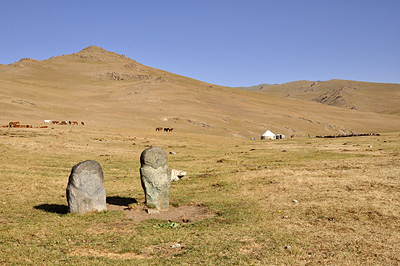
(225,42)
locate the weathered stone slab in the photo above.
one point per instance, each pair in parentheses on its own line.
(156,177)
(85,190)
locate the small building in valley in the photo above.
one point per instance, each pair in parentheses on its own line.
(268,135)
(280,136)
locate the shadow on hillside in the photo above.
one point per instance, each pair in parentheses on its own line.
(53,208)
(120,201)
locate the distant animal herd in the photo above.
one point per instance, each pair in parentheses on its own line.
(17,124)
(349,135)
(166,129)
(67,122)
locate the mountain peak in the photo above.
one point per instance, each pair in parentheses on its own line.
(93,49)
(96,53)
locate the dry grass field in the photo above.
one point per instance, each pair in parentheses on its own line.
(107,89)
(305,201)
(301,201)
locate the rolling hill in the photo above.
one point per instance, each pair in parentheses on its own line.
(355,95)
(106,89)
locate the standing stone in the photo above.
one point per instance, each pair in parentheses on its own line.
(85,190)
(156,177)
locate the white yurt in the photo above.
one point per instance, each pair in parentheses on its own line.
(268,135)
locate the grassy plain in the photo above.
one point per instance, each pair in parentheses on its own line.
(304,201)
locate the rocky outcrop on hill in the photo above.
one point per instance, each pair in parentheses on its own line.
(125,76)
(98,54)
(336,97)
(23,62)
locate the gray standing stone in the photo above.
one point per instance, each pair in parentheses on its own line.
(156,177)
(85,190)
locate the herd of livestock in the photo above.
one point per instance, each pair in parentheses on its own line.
(166,129)
(54,122)
(67,122)
(18,124)
(348,135)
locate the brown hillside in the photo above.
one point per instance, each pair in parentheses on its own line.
(106,89)
(355,95)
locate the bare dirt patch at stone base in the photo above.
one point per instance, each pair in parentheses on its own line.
(185,213)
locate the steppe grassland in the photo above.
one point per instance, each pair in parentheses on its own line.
(347,210)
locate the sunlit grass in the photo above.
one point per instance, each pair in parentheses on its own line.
(289,202)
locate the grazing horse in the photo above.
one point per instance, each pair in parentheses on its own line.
(74,122)
(159,128)
(167,129)
(47,121)
(13,124)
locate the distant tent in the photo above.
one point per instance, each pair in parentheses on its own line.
(280,136)
(268,135)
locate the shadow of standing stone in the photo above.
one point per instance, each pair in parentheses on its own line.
(155,177)
(120,201)
(85,190)
(53,208)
